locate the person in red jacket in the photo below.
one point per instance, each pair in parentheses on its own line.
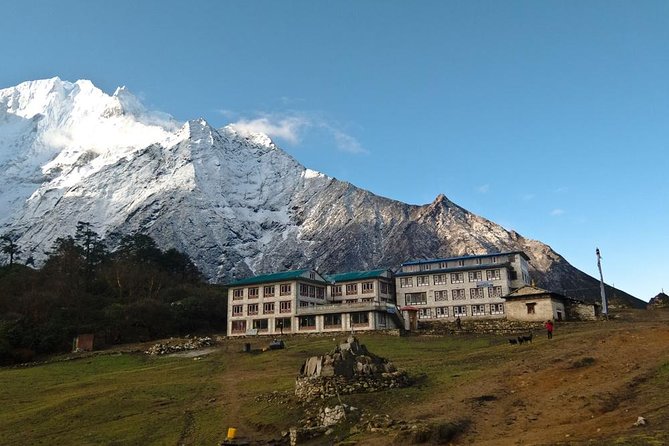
(549,329)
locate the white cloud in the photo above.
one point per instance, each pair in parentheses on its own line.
(557,212)
(287,128)
(346,142)
(291,127)
(528,197)
(483,188)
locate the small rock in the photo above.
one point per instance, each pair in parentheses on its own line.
(641,421)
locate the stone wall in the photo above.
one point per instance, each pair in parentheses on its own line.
(311,388)
(480,326)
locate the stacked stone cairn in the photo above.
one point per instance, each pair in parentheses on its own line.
(349,368)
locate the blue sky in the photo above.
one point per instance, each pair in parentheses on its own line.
(550,118)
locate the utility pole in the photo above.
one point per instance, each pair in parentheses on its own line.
(605,311)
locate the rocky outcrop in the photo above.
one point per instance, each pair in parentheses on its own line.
(659,301)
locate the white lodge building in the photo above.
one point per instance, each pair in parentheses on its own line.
(465,287)
(304,301)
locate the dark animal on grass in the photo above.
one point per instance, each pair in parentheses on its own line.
(513,341)
(527,338)
(521,340)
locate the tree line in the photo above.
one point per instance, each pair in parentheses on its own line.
(138,292)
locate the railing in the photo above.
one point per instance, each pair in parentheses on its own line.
(350,307)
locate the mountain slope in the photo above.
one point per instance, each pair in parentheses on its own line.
(236,203)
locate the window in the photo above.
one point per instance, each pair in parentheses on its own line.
(367,299)
(406,282)
(415,298)
(496,308)
(493,260)
(478,310)
(237,310)
(239,326)
(476,293)
(303,304)
(441,295)
(304,289)
(351,301)
(284,306)
(422,280)
(475,276)
(410,268)
(439,279)
(312,291)
(307,322)
(268,291)
(367,287)
(457,277)
(332,320)
(530,308)
(495,291)
(425,267)
(254,292)
(460,310)
(458,294)
(461,263)
(443,265)
(282,323)
(351,288)
(320,292)
(478,261)
(336,290)
(312,276)
(442,311)
(492,274)
(260,324)
(238,293)
(384,288)
(359,319)
(285,289)
(425,313)
(268,308)
(252,309)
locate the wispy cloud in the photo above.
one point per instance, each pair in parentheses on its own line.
(288,128)
(528,197)
(291,127)
(484,188)
(557,212)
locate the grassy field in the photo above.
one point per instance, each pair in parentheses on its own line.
(586,386)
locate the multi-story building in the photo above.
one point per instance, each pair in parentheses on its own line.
(268,304)
(304,301)
(468,286)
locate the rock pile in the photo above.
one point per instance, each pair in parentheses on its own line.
(180,346)
(349,368)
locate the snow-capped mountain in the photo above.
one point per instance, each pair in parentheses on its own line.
(235,203)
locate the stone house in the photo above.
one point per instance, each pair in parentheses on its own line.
(531,303)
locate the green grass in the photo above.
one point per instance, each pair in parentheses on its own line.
(137,399)
(131,399)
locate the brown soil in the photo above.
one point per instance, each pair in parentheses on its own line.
(587,385)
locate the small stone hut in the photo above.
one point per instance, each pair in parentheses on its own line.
(531,303)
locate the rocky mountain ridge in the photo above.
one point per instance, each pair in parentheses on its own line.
(235,203)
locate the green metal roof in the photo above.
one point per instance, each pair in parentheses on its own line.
(275,277)
(355,275)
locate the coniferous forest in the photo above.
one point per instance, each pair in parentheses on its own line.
(138,292)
